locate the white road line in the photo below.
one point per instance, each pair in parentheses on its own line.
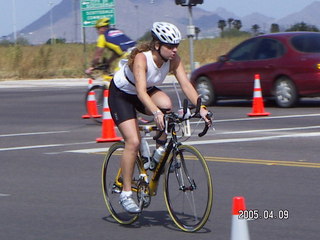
(316,134)
(4,195)
(204,142)
(231,140)
(271,130)
(89,150)
(267,118)
(96,150)
(33,133)
(43,146)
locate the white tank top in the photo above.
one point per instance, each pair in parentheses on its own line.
(155,75)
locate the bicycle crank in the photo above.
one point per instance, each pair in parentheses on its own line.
(143,194)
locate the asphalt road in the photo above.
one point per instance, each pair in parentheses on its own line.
(50,170)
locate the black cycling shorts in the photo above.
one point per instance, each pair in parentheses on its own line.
(123,106)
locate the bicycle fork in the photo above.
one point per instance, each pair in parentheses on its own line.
(179,168)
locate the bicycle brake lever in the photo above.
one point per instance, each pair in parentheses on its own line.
(207,125)
(205,130)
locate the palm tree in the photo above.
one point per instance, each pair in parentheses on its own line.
(230,20)
(255,28)
(222,24)
(274,28)
(237,24)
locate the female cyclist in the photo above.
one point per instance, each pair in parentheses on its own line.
(134,88)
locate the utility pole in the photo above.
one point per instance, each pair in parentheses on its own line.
(191,34)
(14,21)
(75,8)
(190,28)
(51,23)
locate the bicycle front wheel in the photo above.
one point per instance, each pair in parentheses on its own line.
(188,189)
(112,184)
(95,110)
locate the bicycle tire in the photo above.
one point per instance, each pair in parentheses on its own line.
(99,97)
(188,189)
(112,185)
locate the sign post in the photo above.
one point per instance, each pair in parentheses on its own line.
(91,11)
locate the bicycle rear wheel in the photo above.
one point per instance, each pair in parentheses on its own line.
(188,189)
(98,91)
(112,184)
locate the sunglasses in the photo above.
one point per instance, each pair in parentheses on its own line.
(171,46)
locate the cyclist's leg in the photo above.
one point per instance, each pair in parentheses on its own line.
(163,101)
(130,132)
(112,183)
(124,115)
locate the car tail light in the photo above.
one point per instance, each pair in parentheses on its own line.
(318,66)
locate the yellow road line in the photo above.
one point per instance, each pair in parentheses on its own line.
(263,162)
(256,161)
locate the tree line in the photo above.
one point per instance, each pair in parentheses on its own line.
(231,27)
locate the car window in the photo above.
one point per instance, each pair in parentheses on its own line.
(268,48)
(243,52)
(307,43)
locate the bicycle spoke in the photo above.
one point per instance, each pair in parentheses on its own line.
(188,189)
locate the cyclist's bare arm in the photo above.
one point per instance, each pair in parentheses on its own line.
(96,59)
(186,86)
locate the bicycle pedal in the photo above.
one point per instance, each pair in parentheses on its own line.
(116,189)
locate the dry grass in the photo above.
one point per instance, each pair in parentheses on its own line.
(69,60)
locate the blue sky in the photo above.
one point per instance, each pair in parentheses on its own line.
(26,11)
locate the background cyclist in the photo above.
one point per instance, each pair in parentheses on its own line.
(113,39)
(134,88)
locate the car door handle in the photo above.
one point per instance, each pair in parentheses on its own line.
(269,66)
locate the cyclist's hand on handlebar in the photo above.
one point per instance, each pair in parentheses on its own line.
(89,70)
(159,119)
(206,116)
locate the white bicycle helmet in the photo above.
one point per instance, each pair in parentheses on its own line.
(166,33)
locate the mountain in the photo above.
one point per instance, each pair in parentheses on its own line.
(256,18)
(309,15)
(135,17)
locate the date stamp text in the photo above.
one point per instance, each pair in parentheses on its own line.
(255,214)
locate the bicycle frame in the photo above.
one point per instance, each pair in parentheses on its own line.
(155,177)
(173,143)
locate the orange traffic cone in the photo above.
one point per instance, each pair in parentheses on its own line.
(258,106)
(239,230)
(91,104)
(108,130)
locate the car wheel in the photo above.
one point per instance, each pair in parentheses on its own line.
(285,93)
(205,90)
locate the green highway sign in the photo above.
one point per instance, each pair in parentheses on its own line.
(94,4)
(90,16)
(92,10)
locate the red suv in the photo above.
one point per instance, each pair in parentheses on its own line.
(288,64)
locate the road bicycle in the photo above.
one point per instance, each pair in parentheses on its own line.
(101,79)
(188,189)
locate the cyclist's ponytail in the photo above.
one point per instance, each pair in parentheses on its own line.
(142,47)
